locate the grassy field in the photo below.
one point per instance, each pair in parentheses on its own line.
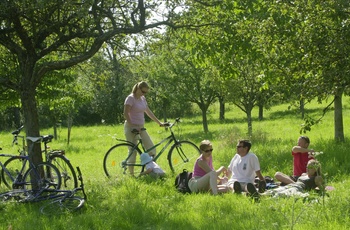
(147,204)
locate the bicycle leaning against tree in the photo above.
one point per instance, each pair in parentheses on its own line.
(55,157)
(29,176)
(182,153)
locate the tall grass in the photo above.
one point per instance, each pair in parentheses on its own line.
(143,203)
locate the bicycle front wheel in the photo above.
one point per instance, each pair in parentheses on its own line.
(182,155)
(41,177)
(13,169)
(115,160)
(62,205)
(68,177)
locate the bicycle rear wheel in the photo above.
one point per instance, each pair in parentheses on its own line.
(41,177)
(13,166)
(114,162)
(68,176)
(182,155)
(62,205)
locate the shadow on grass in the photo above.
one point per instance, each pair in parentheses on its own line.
(292,113)
(288,113)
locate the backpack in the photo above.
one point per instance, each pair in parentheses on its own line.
(181,181)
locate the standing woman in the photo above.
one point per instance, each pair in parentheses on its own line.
(135,106)
(204,177)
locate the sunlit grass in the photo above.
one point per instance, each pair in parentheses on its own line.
(148,204)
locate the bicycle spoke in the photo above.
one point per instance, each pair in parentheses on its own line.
(183,156)
(62,205)
(43,176)
(115,161)
(13,166)
(67,173)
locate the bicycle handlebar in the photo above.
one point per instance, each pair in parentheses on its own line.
(170,125)
(165,125)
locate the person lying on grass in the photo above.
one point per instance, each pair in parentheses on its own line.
(312,179)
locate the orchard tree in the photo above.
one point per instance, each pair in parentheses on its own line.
(187,80)
(311,39)
(42,36)
(231,44)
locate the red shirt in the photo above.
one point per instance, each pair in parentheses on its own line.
(299,162)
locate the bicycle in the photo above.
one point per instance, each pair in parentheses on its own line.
(55,157)
(36,177)
(64,200)
(115,162)
(18,163)
(58,158)
(59,201)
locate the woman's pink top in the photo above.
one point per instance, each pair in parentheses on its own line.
(198,171)
(137,110)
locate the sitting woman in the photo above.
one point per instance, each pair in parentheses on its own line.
(307,181)
(204,177)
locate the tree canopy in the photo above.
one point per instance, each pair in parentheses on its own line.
(39,37)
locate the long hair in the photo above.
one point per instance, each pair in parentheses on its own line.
(141,84)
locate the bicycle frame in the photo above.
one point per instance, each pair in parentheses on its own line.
(121,156)
(171,138)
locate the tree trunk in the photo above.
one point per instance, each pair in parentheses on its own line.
(69,124)
(338,117)
(205,121)
(249,122)
(31,122)
(55,130)
(165,106)
(17,116)
(222,108)
(261,112)
(302,108)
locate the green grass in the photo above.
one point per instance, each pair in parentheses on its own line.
(148,204)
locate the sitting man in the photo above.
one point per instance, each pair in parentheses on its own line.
(301,155)
(242,170)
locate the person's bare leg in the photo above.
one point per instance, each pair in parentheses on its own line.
(213,182)
(208,181)
(283,178)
